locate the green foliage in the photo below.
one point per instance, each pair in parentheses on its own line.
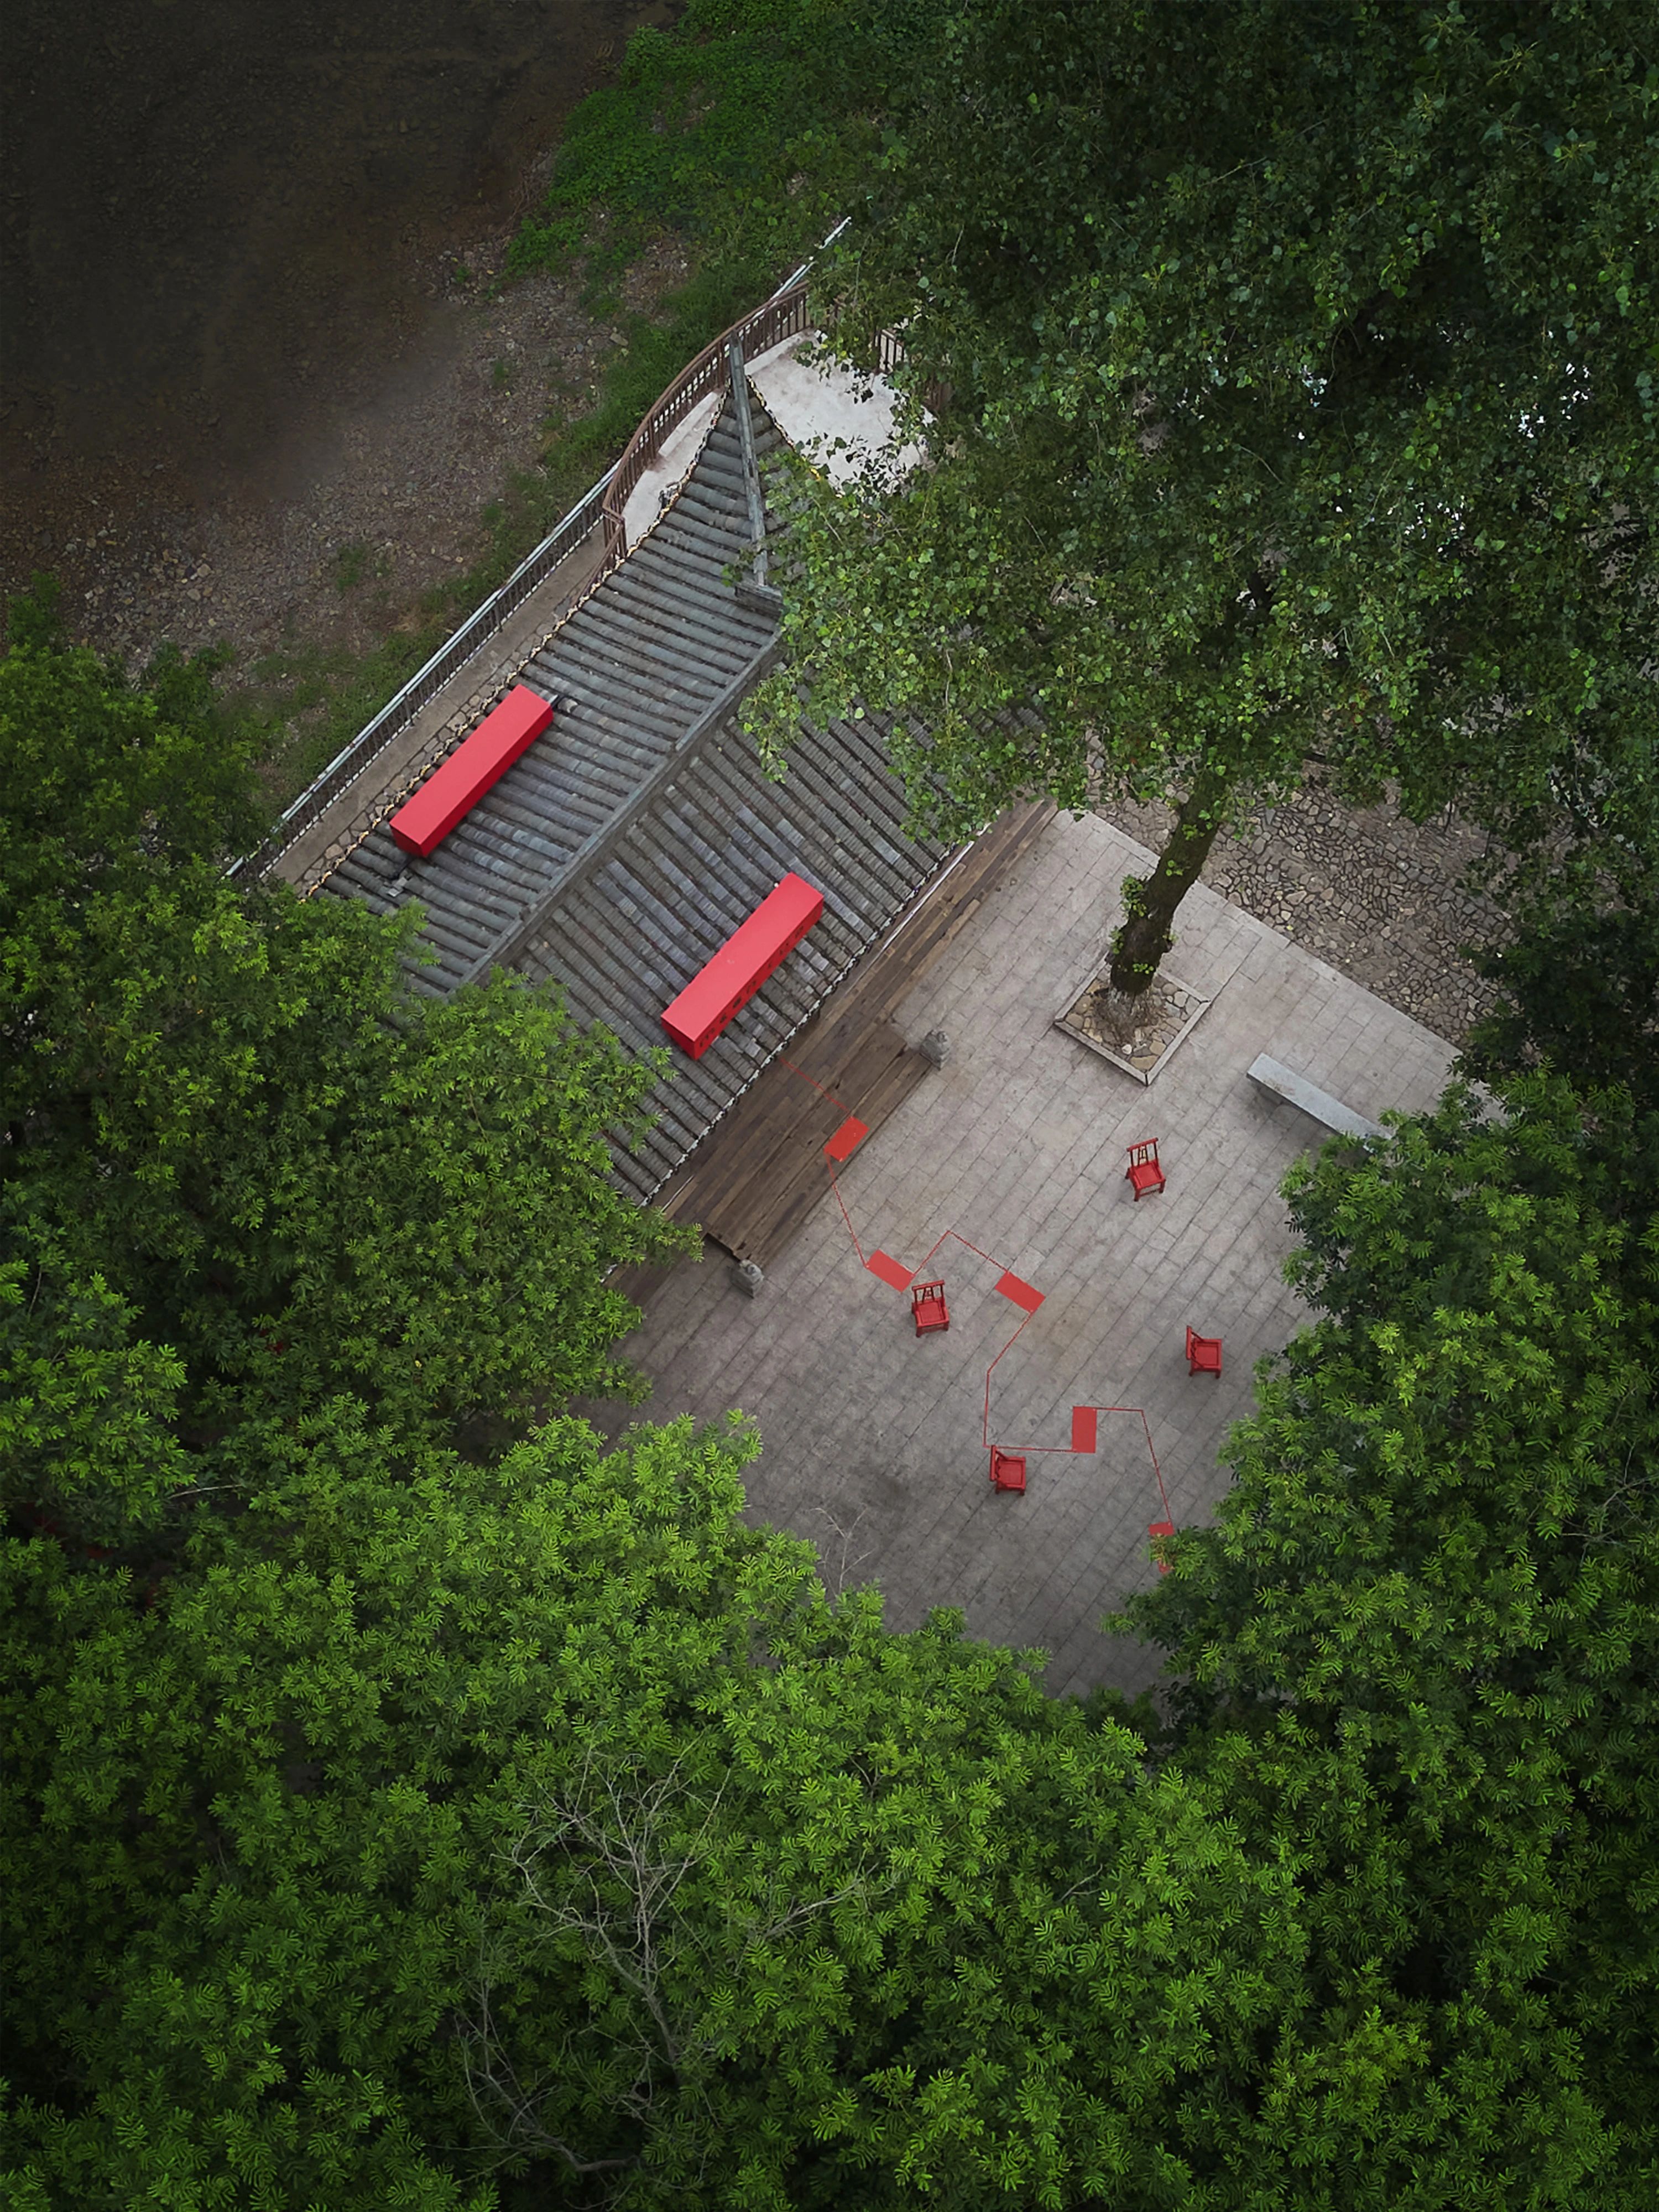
(741,132)
(246,1165)
(1301,409)
(34,618)
(388,1824)
(107,778)
(395,1824)
(301,706)
(1422,1646)
(88,1412)
(708,131)
(549,1814)
(1578,987)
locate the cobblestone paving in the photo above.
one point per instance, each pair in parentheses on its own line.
(1383,900)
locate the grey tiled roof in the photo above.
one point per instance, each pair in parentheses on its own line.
(625,847)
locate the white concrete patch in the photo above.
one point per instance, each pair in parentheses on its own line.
(838,422)
(669,468)
(818,409)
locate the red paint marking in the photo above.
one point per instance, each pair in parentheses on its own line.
(817,1086)
(991,1369)
(890,1270)
(1085,1423)
(848,1139)
(844,1215)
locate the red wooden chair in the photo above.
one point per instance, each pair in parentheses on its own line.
(929,1306)
(1161,1529)
(1143,1173)
(1203,1355)
(1007,1472)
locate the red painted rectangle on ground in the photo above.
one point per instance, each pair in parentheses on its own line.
(736,972)
(890,1270)
(451,791)
(1085,1429)
(1021,1293)
(848,1139)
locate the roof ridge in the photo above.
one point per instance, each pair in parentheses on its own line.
(511,941)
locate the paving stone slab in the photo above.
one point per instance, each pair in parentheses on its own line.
(1018,1146)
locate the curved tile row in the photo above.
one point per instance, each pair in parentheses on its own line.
(632,668)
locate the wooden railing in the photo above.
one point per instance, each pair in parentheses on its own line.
(784,315)
(426,681)
(890,356)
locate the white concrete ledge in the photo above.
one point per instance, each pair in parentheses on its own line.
(1297,1090)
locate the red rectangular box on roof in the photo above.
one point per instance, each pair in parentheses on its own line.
(451,791)
(743,964)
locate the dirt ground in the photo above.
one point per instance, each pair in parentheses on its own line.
(1385,901)
(366,502)
(278,422)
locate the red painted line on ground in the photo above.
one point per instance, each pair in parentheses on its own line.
(844,1215)
(1084,1434)
(961,1239)
(1085,1419)
(891,1270)
(818,1087)
(1156,1469)
(991,1371)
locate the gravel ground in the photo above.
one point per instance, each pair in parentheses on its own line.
(257,388)
(1382,900)
(374,497)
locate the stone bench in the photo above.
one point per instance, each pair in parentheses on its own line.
(1297,1090)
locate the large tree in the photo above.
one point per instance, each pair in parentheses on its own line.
(1302,415)
(431,1832)
(245,1164)
(1424,1640)
(387,1822)
(429,1826)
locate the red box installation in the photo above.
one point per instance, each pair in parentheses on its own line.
(450,792)
(743,964)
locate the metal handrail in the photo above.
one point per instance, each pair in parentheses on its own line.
(429,679)
(776,318)
(779,318)
(602,504)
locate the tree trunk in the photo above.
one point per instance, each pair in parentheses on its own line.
(1149,907)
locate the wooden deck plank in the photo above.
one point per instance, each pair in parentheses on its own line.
(769,1212)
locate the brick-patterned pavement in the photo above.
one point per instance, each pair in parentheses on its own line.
(874,1439)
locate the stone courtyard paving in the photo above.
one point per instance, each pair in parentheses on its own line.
(874,1439)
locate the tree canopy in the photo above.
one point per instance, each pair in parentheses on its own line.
(1424,1629)
(458,1833)
(247,1166)
(1301,364)
(408,1801)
